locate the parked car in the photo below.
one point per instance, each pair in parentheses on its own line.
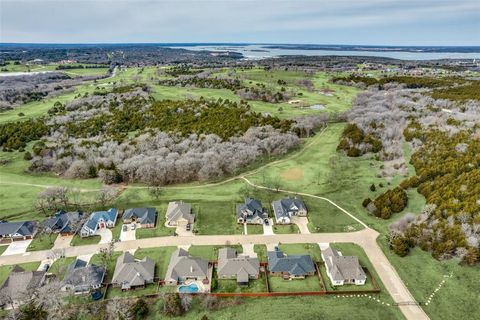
(46,267)
(189,227)
(125,227)
(133,226)
(266,222)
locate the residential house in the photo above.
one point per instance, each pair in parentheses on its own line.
(99,220)
(146,217)
(20,286)
(131,273)
(184,267)
(285,209)
(291,266)
(239,267)
(14,231)
(343,269)
(82,278)
(179,214)
(65,223)
(251,212)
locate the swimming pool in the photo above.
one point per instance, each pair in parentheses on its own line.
(191,288)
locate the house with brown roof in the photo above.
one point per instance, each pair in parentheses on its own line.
(239,267)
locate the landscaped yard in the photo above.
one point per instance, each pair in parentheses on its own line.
(110,264)
(229,285)
(60,267)
(289,228)
(261,251)
(42,242)
(160,230)
(210,253)
(310,283)
(160,255)
(311,249)
(79,241)
(117,292)
(3,248)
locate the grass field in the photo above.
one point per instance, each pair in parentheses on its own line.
(42,242)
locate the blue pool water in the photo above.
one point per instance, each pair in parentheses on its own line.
(191,288)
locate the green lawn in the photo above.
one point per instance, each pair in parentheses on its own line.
(229,285)
(217,217)
(5,270)
(281,229)
(261,251)
(42,242)
(79,241)
(110,264)
(3,248)
(161,256)
(60,266)
(310,283)
(160,230)
(210,253)
(117,292)
(311,249)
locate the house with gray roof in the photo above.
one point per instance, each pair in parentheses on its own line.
(285,209)
(131,273)
(251,211)
(179,214)
(183,267)
(239,267)
(17,230)
(291,266)
(99,220)
(20,286)
(65,223)
(343,269)
(146,217)
(82,278)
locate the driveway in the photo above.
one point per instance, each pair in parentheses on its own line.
(62,242)
(129,234)
(268,230)
(248,250)
(182,231)
(105,234)
(302,224)
(17,247)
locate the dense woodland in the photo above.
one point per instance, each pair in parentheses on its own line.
(445,139)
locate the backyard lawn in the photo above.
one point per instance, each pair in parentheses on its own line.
(117,292)
(259,285)
(310,283)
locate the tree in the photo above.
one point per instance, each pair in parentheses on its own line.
(53,198)
(156,192)
(32,311)
(139,309)
(27,156)
(172,305)
(106,195)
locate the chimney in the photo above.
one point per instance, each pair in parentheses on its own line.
(191,269)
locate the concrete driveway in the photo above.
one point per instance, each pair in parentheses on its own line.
(105,234)
(129,234)
(62,242)
(268,230)
(248,250)
(302,224)
(182,231)
(17,247)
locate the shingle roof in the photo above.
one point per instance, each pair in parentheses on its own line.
(95,217)
(141,215)
(84,277)
(63,221)
(342,267)
(130,272)
(230,264)
(182,265)
(20,283)
(252,208)
(282,207)
(179,209)
(298,265)
(24,228)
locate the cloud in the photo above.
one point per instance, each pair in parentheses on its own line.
(300,21)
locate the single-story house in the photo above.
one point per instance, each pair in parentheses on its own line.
(343,269)
(65,223)
(284,209)
(17,230)
(179,214)
(99,220)
(251,212)
(82,278)
(20,286)
(290,267)
(131,273)
(184,267)
(239,267)
(146,217)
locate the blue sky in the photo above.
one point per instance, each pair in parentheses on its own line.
(377,22)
